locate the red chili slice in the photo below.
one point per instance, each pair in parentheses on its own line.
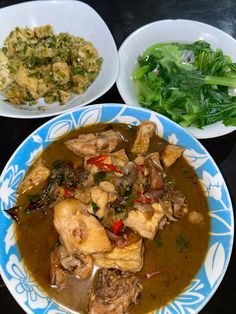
(97,159)
(143,199)
(108,167)
(117,226)
(68,193)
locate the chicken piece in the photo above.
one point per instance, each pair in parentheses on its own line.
(107,141)
(58,275)
(146,224)
(128,258)
(154,170)
(79,231)
(174,203)
(43,31)
(36,176)
(91,144)
(61,72)
(195,218)
(83,195)
(63,265)
(145,132)
(119,158)
(170,154)
(116,292)
(139,160)
(24,80)
(100,199)
(84,144)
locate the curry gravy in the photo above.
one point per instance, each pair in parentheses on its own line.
(175,255)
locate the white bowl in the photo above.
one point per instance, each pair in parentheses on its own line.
(185,31)
(76,18)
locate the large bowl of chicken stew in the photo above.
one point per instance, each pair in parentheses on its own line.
(113,209)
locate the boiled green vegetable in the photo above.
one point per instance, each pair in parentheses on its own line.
(188,83)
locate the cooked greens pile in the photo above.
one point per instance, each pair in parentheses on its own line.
(188,83)
(37,63)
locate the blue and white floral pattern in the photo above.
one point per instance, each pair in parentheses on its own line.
(17,278)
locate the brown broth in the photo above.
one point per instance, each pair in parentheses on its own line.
(37,236)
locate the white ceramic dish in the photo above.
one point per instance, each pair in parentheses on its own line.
(168,31)
(76,18)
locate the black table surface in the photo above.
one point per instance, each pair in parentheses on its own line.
(123,17)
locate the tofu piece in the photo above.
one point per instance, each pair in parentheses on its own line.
(43,31)
(61,72)
(38,175)
(79,231)
(145,132)
(43,87)
(128,258)
(5,78)
(143,223)
(170,154)
(24,80)
(64,96)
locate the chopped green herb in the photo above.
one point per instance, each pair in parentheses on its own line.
(158,241)
(99,177)
(131,198)
(95,207)
(182,243)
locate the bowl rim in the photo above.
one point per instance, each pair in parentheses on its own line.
(119,81)
(111,105)
(116,62)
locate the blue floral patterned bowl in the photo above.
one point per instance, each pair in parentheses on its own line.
(18,280)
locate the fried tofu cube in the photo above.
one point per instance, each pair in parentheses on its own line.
(170,154)
(24,80)
(43,31)
(64,96)
(61,72)
(128,258)
(145,224)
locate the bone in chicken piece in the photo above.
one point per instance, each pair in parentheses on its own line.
(63,265)
(128,258)
(170,154)
(79,231)
(94,144)
(146,224)
(115,292)
(37,175)
(155,171)
(145,132)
